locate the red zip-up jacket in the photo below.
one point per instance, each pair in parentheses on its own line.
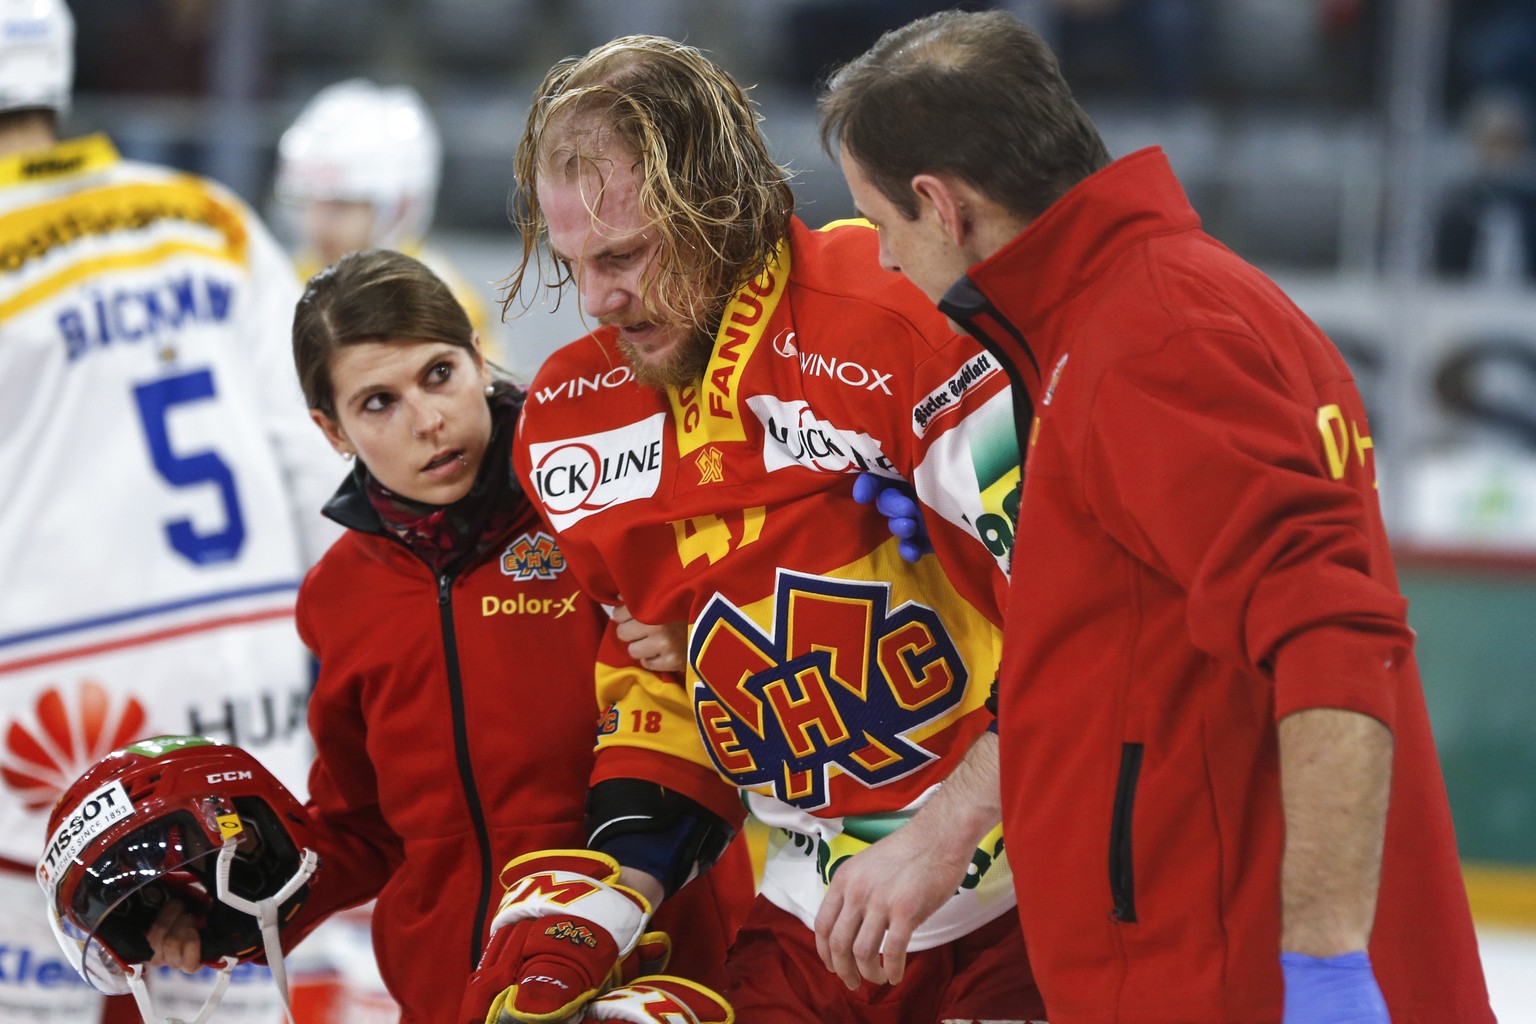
(1200,552)
(454,722)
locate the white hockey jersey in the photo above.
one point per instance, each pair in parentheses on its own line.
(162,481)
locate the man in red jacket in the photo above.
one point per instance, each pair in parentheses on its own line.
(1222,798)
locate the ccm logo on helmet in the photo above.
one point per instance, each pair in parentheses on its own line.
(217,777)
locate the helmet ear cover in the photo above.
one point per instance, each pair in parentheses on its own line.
(175,803)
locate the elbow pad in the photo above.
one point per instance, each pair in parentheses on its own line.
(648,827)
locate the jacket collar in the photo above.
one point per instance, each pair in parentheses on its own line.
(1005,299)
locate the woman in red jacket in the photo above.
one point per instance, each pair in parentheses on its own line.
(454,719)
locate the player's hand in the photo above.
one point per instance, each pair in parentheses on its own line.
(881,895)
(1331,990)
(175,940)
(658,648)
(562,929)
(895,500)
(662,999)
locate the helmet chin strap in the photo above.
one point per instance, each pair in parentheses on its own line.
(146,1002)
(265,912)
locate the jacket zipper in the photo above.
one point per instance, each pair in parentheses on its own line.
(1122,873)
(466,770)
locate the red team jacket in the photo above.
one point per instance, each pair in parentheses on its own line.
(455,723)
(838,681)
(1201,552)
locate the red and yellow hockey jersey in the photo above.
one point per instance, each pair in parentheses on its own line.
(834,681)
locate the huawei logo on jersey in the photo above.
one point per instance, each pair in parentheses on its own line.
(43,756)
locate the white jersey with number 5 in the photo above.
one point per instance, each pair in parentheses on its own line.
(162,481)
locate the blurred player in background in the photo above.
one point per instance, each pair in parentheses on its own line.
(359,169)
(163,485)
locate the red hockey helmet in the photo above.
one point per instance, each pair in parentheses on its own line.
(149,823)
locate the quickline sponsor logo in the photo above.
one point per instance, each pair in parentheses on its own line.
(578,476)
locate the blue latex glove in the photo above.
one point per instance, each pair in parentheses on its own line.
(1331,990)
(895,500)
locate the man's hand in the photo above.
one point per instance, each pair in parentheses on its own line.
(1333,990)
(175,939)
(895,500)
(882,894)
(658,648)
(562,929)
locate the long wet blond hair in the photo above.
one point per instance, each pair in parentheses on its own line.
(717,200)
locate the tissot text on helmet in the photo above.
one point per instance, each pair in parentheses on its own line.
(100,809)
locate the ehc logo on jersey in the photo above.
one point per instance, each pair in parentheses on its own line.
(840,681)
(533,556)
(577,476)
(798,437)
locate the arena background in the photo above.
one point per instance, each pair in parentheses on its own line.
(1318,138)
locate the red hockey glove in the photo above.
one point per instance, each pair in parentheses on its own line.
(662,999)
(557,940)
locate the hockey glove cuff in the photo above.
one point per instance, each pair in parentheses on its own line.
(662,999)
(563,927)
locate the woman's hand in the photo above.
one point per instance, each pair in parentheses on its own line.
(174,939)
(658,648)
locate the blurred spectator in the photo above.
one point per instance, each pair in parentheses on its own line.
(1486,229)
(819,35)
(359,168)
(1493,46)
(115,50)
(1150,47)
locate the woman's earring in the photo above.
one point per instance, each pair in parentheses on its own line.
(490,389)
(347,456)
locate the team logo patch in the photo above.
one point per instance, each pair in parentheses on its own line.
(533,556)
(575,934)
(65,736)
(838,682)
(711,466)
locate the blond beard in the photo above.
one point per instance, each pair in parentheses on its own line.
(684,365)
